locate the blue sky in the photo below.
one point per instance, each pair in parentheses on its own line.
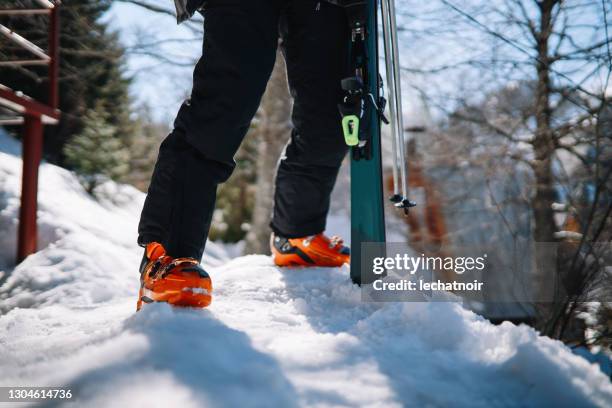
(161,86)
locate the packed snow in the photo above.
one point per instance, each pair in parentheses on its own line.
(273,337)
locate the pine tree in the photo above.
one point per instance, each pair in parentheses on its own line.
(96,154)
(92,69)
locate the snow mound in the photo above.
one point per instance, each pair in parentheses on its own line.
(273,337)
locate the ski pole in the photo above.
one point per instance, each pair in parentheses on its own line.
(388,7)
(396,198)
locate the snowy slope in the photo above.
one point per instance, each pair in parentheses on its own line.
(272,337)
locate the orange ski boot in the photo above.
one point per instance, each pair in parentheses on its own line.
(177,281)
(315,250)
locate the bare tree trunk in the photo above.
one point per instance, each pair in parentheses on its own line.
(273,132)
(544,149)
(543,143)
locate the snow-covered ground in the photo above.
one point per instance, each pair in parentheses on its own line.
(273,337)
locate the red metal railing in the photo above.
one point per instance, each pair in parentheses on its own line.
(35,114)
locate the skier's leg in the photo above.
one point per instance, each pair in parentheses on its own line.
(314,40)
(240,39)
(181,196)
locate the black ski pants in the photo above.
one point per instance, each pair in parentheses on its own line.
(240,41)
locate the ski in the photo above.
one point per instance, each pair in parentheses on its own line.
(361,120)
(362,110)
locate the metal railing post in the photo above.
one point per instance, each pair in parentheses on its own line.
(32,154)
